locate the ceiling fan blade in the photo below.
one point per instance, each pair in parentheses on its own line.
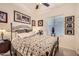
(46,4)
(37,6)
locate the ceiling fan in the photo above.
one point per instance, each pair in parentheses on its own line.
(45,4)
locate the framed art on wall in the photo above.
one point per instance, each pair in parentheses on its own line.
(70,32)
(69,25)
(70,19)
(40,22)
(33,23)
(22,18)
(3,17)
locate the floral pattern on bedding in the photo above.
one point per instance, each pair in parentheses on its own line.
(36,45)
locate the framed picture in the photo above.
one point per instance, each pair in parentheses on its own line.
(69,32)
(33,23)
(22,18)
(69,25)
(70,19)
(3,17)
(40,22)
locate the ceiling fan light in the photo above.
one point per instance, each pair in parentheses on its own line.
(46,4)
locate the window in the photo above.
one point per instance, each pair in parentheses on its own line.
(58,23)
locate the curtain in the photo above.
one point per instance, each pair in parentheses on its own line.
(57,23)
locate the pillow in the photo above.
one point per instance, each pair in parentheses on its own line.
(20,31)
(23,30)
(25,35)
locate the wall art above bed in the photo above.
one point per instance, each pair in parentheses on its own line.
(3,17)
(22,18)
(69,25)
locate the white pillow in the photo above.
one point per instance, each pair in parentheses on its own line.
(25,35)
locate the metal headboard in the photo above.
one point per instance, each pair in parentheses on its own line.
(17,26)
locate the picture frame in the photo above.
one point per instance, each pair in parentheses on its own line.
(69,25)
(33,23)
(69,19)
(70,32)
(40,22)
(3,17)
(22,18)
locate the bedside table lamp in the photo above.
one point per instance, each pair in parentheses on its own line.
(2,31)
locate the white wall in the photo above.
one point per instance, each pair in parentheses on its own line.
(66,41)
(9,8)
(77,29)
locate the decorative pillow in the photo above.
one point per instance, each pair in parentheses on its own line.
(25,35)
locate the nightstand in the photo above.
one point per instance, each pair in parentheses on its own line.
(5,46)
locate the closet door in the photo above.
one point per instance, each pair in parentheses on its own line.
(59,25)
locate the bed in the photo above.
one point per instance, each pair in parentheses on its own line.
(26,42)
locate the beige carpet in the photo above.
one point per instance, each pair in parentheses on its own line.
(66,52)
(61,52)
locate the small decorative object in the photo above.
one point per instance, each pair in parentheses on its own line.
(53,31)
(2,31)
(69,25)
(40,22)
(41,32)
(3,17)
(22,18)
(33,23)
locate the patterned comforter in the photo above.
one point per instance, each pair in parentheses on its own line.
(36,45)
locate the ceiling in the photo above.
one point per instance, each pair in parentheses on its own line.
(32,6)
(41,6)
